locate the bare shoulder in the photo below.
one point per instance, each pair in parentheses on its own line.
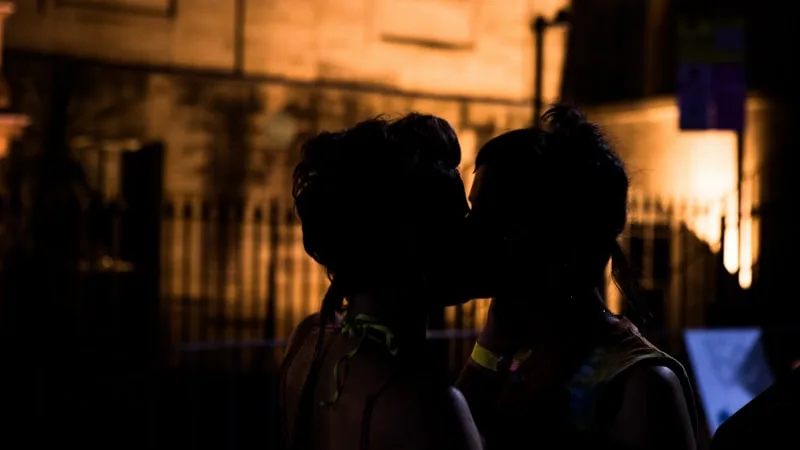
(654,381)
(301,333)
(424,416)
(653,411)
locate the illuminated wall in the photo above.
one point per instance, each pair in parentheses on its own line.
(213,83)
(433,56)
(464,47)
(697,167)
(210,86)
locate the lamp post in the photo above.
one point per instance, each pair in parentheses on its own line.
(538,26)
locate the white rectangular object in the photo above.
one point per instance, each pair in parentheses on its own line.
(730,369)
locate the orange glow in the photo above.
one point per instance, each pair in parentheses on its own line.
(731,251)
(746,256)
(746,236)
(469,149)
(704,170)
(754,242)
(698,169)
(613,295)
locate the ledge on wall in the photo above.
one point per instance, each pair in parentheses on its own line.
(162,8)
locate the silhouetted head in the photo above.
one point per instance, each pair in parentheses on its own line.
(549,202)
(381,204)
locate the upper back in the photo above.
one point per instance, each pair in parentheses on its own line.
(572,404)
(602,371)
(384,402)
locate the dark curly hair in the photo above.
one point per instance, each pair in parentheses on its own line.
(375,200)
(566,191)
(380,205)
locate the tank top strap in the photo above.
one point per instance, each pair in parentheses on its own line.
(625,349)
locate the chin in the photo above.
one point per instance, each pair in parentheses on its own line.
(480,292)
(464,296)
(453,301)
(461,290)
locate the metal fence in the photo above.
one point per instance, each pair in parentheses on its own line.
(233,280)
(236,270)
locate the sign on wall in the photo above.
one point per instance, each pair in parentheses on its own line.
(730,369)
(712,89)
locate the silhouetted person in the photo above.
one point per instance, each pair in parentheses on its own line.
(47,195)
(553,368)
(768,422)
(380,206)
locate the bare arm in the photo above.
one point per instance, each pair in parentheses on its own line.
(463,424)
(480,387)
(653,413)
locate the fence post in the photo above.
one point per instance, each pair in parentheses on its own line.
(272,270)
(142,189)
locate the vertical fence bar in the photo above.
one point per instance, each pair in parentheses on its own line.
(686,263)
(293,276)
(227,300)
(239,321)
(255,285)
(272,275)
(102,162)
(677,272)
(173,321)
(696,273)
(221,270)
(710,281)
(676,252)
(648,241)
(281,272)
(187,311)
(205,257)
(204,215)
(195,256)
(118,270)
(246,273)
(234,323)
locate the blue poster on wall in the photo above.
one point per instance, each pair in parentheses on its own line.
(730,369)
(712,83)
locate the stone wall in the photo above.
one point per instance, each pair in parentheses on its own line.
(217,129)
(670,163)
(464,47)
(696,171)
(208,77)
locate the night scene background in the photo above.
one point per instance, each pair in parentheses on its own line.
(151,265)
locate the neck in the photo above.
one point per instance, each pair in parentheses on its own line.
(570,325)
(408,324)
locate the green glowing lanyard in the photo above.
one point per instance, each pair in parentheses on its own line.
(362,327)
